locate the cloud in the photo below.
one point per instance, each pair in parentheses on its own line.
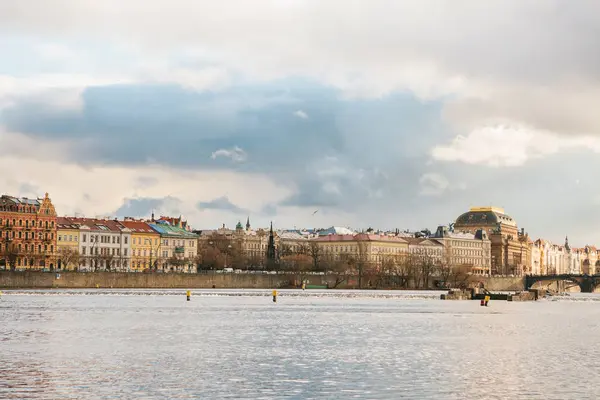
(236,154)
(433,184)
(221,203)
(144,207)
(301,114)
(508,146)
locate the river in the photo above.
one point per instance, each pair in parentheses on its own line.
(238,344)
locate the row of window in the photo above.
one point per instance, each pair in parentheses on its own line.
(29,248)
(179,242)
(116,239)
(28,235)
(28,223)
(103,251)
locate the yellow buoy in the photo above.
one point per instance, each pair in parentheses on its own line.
(188,294)
(274,296)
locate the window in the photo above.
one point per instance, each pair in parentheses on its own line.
(51,248)
(70,238)
(83,251)
(84,238)
(114,240)
(125,240)
(59,238)
(125,252)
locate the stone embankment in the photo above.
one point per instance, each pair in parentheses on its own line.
(74,280)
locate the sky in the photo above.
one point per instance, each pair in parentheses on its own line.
(376,113)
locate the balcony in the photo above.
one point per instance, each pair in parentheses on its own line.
(179,250)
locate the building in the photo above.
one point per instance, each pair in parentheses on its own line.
(145,245)
(590,263)
(292,242)
(426,250)
(509,246)
(178,247)
(242,247)
(104,245)
(472,252)
(536,258)
(67,233)
(27,233)
(371,249)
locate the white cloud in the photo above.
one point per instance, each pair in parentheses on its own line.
(301,114)
(508,146)
(200,79)
(484,68)
(236,154)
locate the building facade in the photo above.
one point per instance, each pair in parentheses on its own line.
(178,247)
(470,251)
(104,245)
(370,249)
(509,246)
(68,244)
(27,233)
(145,245)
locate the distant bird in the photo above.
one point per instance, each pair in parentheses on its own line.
(315,212)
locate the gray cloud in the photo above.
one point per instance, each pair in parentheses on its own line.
(223,204)
(143,207)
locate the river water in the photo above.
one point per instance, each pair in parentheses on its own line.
(143,344)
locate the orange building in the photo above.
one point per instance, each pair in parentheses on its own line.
(27,233)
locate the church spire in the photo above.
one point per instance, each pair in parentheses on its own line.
(248,224)
(567,247)
(271,253)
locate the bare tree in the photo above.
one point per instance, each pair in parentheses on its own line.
(107,260)
(68,256)
(362,262)
(424,269)
(314,252)
(341,269)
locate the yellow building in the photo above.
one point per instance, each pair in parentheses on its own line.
(67,243)
(145,245)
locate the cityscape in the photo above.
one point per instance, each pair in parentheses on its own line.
(482,241)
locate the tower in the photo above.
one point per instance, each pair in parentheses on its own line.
(271,246)
(248,224)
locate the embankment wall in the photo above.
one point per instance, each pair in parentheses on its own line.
(72,280)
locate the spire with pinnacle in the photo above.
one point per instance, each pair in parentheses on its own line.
(271,246)
(248,224)
(567,247)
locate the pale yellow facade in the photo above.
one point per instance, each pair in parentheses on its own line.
(67,243)
(145,250)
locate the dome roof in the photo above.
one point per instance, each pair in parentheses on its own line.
(482,216)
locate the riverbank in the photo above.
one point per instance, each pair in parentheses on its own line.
(123,280)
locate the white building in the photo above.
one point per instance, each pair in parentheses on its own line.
(104,245)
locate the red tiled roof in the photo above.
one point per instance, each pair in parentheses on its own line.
(137,226)
(93,224)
